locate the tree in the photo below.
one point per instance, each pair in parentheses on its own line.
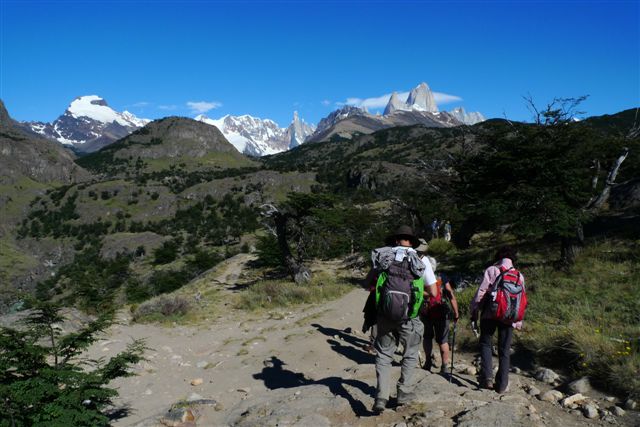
(44,381)
(288,224)
(539,179)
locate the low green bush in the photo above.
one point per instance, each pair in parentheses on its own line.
(279,293)
(164,307)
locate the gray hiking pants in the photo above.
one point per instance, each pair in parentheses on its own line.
(410,335)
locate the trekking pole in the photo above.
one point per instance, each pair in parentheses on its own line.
(453,347)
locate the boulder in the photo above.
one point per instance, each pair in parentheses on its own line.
(630,405)
(496,413)
(581,385)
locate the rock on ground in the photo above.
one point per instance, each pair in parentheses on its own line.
(581,385)
(547,375)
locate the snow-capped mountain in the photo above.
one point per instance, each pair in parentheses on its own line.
(419,108)
(470,118)
(88,124)
(258,137)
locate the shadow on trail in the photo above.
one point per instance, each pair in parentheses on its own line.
(353,351)
(275,377)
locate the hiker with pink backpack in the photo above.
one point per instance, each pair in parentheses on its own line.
(501,302)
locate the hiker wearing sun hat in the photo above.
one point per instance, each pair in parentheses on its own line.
(399,294)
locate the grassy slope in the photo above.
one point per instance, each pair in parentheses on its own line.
(584,321)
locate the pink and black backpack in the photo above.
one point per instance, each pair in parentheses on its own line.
(507,299)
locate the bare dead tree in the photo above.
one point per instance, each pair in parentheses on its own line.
(559,110)
(298,271)
(598,201)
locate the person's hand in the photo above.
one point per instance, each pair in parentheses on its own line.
(456,318)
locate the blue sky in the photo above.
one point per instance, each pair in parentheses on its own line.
(269,58)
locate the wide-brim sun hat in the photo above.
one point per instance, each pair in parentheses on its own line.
(403,231)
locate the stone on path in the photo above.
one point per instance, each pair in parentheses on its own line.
(572,400)
(630,405)
(197,381)
(533,391)
(590,411)
(617,411)
(547,376)
(497,414)
(580,386)
(551,396)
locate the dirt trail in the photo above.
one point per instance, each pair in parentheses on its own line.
(303,367)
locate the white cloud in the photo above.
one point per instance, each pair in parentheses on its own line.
(200,107)
(381,101)
(325,102)
(167,107)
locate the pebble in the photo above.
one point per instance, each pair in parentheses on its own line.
(590,411)
(516,370)
(197,381)
(610,399)
(244,390)
(202,364)
(630,405)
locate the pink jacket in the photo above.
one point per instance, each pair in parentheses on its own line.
(490,276)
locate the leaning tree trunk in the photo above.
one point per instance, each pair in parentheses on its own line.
(299,273)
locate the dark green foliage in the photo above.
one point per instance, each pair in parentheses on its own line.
(166,253)
(269,254)
(90,281)
(535,178)
(43,380)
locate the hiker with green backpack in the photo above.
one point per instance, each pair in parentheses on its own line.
(436,313)
(399,292)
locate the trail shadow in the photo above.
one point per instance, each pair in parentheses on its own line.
(460,381)
(119,412)
(332,332)
(353,351)
(275,377)
(358,356)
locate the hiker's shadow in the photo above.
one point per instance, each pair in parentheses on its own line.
(352,351)
(275,377)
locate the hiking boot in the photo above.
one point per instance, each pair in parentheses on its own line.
(404,398)
(380,405)
(427,367)
(443,369)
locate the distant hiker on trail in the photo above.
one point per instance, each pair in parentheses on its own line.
(501,299)
(435,225)
(435,315)
(399,293)
(447,231)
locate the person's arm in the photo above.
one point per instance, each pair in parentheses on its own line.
(489,277)
(369,281)
(454,302)
(429,280)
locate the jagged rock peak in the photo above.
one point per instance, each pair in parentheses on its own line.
(470,118)
(421,98)
(394,104)
(5,120)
